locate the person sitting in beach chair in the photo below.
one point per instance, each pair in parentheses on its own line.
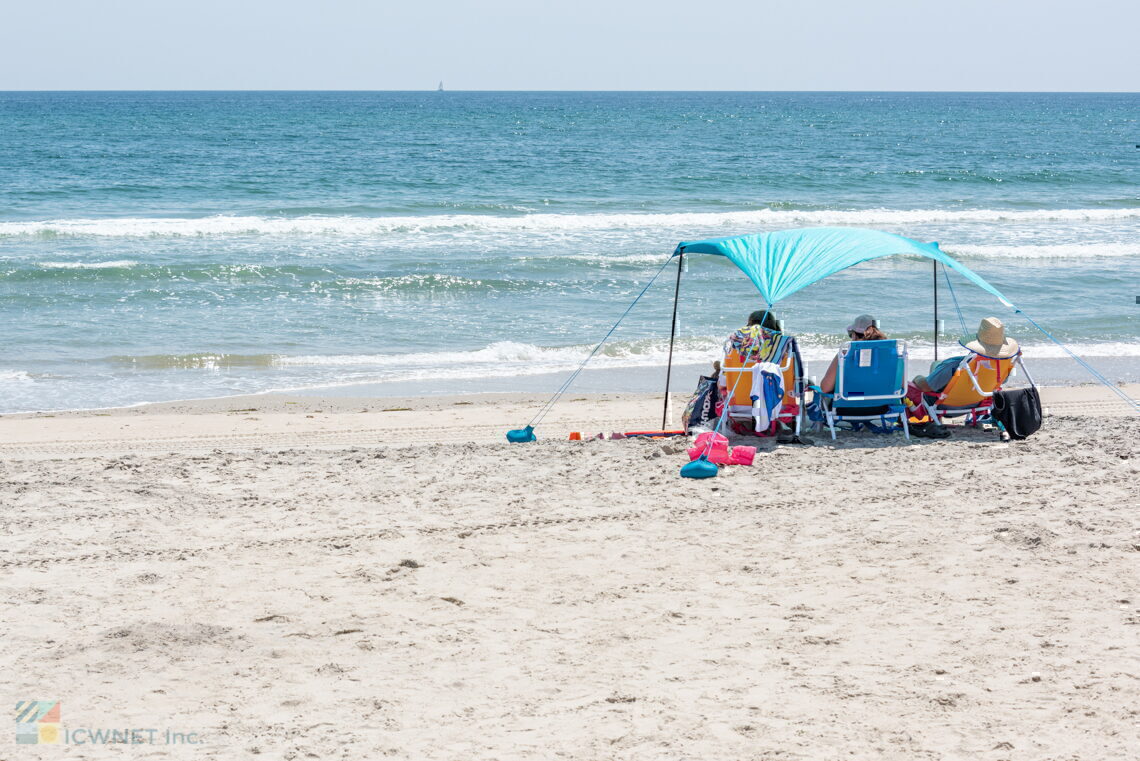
(867,387)
(862,328)
(964,385)
(761,379)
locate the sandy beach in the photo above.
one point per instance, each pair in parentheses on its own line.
(298,577)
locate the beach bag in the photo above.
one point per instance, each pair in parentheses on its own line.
(702,407)
(1018,411)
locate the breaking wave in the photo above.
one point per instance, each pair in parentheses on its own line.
(505,358)
(144,227)
(122,264)
(1054,251)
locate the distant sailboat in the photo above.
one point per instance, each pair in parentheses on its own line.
(440,88)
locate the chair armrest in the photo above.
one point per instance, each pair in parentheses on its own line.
(817,390)
(974,383)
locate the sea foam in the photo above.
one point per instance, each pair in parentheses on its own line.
(507,358)
(136,227)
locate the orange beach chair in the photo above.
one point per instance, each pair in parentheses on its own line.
(970,392)
(736,386)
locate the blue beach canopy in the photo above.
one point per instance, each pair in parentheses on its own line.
(781,263)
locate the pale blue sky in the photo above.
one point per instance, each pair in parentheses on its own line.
(572,45)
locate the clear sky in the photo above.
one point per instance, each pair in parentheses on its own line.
(571,45)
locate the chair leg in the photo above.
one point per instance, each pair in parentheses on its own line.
(905,426)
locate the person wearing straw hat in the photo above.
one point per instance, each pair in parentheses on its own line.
(990,341)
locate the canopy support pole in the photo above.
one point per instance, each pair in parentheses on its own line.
(935,263)
(672,338)
(520,435)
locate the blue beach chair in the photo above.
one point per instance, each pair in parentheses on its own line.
(869,387)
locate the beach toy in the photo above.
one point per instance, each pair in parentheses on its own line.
(699,468)
(711,446)
(715,456)
(521,435)
(742,455)
(718,439)
(619,435)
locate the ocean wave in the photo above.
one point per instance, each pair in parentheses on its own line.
(600,260)
(428,284)
(649,351)
(314,279)
(962,251)
(508,358)
(194,361)
(121,264)
(654,351)
(1053,251)
(129,270)
(144,227)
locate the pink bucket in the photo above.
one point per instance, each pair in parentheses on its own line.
(718,452)
(742,455)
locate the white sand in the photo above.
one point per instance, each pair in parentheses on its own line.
(370,584)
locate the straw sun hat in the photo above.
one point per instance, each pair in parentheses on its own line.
(991,341)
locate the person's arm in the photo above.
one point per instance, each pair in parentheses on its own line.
(827,385)
(922,384)
(941,374)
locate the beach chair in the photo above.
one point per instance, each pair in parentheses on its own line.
(970,392)
(737,376)
(869,387)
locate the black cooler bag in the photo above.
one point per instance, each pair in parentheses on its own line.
(1019,411)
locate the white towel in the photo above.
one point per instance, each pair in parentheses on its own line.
(766,406)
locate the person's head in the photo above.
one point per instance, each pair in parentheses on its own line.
(764,319)
(863,328)
(991,340)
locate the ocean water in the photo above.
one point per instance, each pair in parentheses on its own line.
(158,246)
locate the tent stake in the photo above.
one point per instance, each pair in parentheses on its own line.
(935,263)
(672,337)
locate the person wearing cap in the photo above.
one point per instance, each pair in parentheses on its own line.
(990,341)
(862,328)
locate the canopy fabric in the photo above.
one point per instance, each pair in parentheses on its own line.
(781,263)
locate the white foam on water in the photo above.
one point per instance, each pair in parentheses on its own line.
(14,376)
(121,264)
(1054,251)
(135,227)
(168,380)
(601,260)
(507,358)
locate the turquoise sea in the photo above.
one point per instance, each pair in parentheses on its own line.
(158,246)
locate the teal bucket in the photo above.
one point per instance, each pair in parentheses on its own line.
(699,468)
(521,435)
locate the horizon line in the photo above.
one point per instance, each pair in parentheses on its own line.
(581,91)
